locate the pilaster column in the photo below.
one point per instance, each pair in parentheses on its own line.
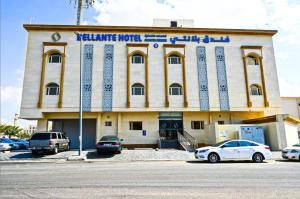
(98,127)
(166,81)
(128,81)
(41,95)
(266,102)
(119,127)
(62,78)
(184,82)
(147,80)
(249,102)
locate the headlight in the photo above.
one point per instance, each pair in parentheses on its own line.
(203,151)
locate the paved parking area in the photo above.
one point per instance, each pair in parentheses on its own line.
(25,155)
(91,155)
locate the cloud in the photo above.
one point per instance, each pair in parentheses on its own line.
(11,94)
(288,88)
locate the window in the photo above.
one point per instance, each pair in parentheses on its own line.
(55,58)
(221,122)
(137,59)
(52,89)
(174,59)
(197,124)
(137,89)
(173,23)
(230,144)
(135,125)
(54,136)
(244,143)
(255,89)
(175,89)
(108,123)
(59,136)
(251,60)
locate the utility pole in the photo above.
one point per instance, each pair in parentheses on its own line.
(81,4)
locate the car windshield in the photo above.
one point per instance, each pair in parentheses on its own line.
(298,145)
(220,143)
(41,136)
(109,138)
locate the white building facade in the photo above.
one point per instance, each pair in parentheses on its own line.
(145,83)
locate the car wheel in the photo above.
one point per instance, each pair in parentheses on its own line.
(55,149)
(258,158)
(68,148)
(213,158)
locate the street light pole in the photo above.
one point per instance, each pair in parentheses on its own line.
(80,98)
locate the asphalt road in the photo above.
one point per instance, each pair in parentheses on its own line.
(153,179)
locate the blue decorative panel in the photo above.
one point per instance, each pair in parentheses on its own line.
(222,79)
(87,77)
(202,78)
(108,77)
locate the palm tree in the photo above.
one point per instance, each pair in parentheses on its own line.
(10,130)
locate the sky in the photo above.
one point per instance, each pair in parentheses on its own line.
(281,15)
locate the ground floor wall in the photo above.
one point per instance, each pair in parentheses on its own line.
(97,125)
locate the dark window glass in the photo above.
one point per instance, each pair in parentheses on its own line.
(136,125)
(175,89)
(230,144)
(109,138)
(55,58)
(137,59)
(197,124)
(108,123)
(54,136)
(244,143)
(221,122)
(59,136)
(253,144)
(63,136)
(137,89)
(255,90)
(52,89)
(174,59)
(173,23)
(40,136)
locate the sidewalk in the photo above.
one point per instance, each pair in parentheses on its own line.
(25,156)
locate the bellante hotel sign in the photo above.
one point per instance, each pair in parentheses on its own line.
(151,38)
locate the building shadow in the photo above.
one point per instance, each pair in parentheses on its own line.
(95,155)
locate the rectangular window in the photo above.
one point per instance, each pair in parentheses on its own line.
(55,59)
(175,91)
(174,60)
(197,124)
(52,91)
(221,122)
(108,123)
(135,125)
(54,136)
(137,59)
(137,91)
(173,23)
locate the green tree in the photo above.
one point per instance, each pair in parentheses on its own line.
(10,130)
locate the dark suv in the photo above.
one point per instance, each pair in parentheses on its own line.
(48,141)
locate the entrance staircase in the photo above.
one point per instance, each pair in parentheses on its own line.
(184,141)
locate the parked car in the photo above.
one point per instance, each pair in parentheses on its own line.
(4,146)
(12,144)
(109,143)
(48,141)
(291,153)
(234,150)
(23,144)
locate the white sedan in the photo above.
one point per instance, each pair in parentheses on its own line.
(4,147)
(234,150)
(291,153)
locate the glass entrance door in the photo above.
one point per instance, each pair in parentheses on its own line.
(168,129)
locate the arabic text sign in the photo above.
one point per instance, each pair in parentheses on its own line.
(151,38)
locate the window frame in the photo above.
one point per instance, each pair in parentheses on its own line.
(133,59)
(258,90)
(136,86)
(197,125)
(174,59)
(132,126)
(254,59)
(173,87)
(108,123)
(51,56)
(51,86)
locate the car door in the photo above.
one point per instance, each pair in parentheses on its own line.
(245,150)
(229,150)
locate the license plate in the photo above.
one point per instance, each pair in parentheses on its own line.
(107,145)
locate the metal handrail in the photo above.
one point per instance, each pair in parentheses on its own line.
(190,139)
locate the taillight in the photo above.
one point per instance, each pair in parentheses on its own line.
(267,147)
(51,142)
